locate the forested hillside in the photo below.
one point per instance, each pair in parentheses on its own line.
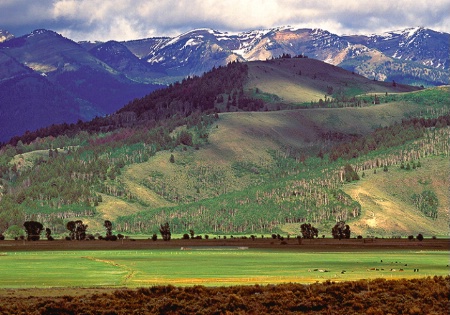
(293,189)
(215,154)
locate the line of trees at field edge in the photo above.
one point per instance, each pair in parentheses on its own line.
(77,231)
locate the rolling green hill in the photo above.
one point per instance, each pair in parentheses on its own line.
(241,163)
(301,80)
(241,141)
(175,156)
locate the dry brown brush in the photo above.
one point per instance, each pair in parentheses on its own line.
(380,296)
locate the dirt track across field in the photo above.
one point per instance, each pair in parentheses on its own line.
(305,245)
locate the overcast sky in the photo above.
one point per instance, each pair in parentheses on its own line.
(133,19)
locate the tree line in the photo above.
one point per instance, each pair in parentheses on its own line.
(77,231)
(386,137)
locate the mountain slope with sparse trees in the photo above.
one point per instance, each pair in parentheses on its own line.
(213,155)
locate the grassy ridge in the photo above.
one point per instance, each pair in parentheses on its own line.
(296,81)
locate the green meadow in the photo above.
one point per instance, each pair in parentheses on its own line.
(211,267)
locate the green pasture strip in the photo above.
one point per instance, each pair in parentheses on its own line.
(211,267)
(56,269)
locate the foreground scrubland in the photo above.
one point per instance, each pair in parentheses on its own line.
(380,296)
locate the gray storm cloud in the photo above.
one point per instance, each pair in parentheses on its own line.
(124,20)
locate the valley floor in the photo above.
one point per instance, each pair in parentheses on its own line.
(407,292)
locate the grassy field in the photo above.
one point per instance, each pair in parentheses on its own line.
(209,265)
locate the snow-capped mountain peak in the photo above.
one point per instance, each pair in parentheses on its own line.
(208,46)
(5,35)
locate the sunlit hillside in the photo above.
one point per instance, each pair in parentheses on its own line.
(387,200)
(300,80)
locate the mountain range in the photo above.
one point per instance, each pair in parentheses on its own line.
(44,72)
(418,54)
(48,79)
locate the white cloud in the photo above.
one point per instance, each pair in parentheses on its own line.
(120,20)
(117,29)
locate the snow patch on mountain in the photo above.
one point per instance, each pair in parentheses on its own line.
(5,35)
(191,42)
